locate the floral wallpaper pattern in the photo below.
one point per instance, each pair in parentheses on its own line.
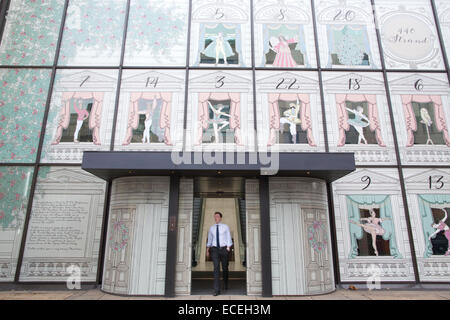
(158,31)
(23,95)
(31,32)
(93,32)
(15,185)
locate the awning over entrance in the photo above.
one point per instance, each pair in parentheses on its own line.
(115,164)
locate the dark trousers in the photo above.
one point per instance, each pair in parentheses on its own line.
(219,255)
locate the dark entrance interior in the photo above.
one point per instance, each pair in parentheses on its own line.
(226,195)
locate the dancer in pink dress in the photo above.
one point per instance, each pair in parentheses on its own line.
(82,115)
(372,227)
(284,57)
(442,226)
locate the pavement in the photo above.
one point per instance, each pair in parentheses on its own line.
(340,294)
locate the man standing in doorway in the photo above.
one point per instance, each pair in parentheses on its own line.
(218,246)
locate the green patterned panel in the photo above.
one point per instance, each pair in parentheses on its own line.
(31,32)
(93,33)
(23,95)
(15,183)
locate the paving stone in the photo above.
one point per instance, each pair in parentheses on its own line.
(340,294)
(331,296)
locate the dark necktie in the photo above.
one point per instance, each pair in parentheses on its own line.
(217,237)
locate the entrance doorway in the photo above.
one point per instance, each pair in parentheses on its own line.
(226,195)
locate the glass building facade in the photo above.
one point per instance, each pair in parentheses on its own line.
(305,77)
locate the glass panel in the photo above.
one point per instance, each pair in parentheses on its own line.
(428,194)
(93,33)
(157,33)
(408,34)
(443,9)
(347,36)
(81,114)
(422,117)
(220,112)
(370,220)
(358,117)
(288,111)
(151,110)
(221,34)
(64,233)
(284,34)
(22,105)
(31,32)
(15,183)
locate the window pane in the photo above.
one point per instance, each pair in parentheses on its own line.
(15,183)
(220,111)
(31,32)
(288,111)
(81,114)
(284,35)
(221,34)
(346,34)
(93,33)
(408,34)
(65,225)
(443,9)
(428,193)
(422,118)
(370,220)
(22,105)
(151,111)
(157,33)
(357,114)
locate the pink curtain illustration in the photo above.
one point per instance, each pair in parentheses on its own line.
(410,119)
(274,115)
(133,113)
(373,116)
(235,113)
(94,117)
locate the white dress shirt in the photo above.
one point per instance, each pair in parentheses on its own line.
(224,236)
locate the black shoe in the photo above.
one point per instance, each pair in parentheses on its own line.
(216,293)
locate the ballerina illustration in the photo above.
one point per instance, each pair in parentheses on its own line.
(82,115)
(359,122)
(147,124)
(284,57)
(148,121)
(442,226)
(426,120)
(372,227)
(218,120)
(219,47)
(291,118)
